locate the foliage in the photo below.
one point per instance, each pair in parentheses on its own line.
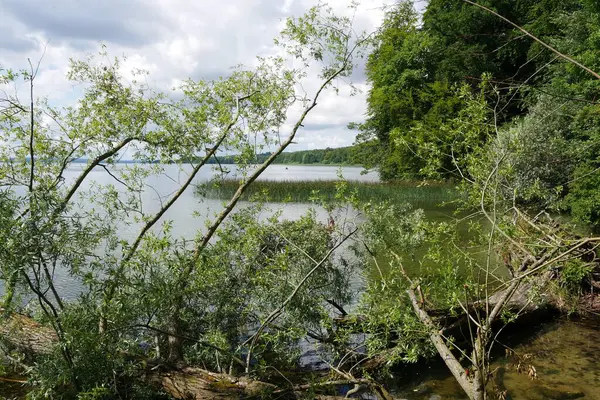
(573,274)
(456,278)
(152,294)
(401,243)
(240,294)
(328,156)
(391,321)
(583,199)
(426,73)
(517,126)
(441,146)
(430,195)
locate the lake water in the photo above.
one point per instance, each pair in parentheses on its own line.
(565,354)
(185,224)
(191,212)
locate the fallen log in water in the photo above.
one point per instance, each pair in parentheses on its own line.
(457,325)
(194,383)
(519,301)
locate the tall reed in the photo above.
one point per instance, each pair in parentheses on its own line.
(303,191)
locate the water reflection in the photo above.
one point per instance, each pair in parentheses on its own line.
(565,355)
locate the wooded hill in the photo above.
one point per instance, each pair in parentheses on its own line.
(329,156)
(447,84)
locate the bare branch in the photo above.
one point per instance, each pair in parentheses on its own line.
(31,128)
(546,45)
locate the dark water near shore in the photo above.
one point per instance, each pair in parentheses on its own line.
(565,355)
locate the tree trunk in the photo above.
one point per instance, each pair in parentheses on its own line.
(449,359)
(23,334)
(195,383)
(455,325)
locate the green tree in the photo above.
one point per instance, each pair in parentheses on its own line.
(156,285)
(417,66)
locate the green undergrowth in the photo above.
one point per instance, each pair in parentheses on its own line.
(308,190)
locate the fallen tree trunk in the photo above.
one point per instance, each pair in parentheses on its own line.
(456,326)
(194,383)
(519,301)
(22,334)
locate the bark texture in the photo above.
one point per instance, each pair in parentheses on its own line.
(195,383)
(21,333)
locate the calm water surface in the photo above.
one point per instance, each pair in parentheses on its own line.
(566,355)
(191,212)
(161,186)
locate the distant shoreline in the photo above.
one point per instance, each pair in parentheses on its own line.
(191,162)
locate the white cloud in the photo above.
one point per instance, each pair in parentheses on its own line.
(174,40)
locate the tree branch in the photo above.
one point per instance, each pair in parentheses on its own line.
(275,313)
(236,197)
(569,59)
(130,253)
(89,169)
(31,128)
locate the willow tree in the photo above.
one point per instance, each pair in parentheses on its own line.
(156,285)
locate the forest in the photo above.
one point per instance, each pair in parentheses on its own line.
(482,115)
(328,156)
(429,74)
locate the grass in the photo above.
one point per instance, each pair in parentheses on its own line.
(303,191)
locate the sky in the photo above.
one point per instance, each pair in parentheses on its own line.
(173,40)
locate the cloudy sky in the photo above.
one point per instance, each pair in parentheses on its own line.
(174,40)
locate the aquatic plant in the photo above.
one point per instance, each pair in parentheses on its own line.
(309,190)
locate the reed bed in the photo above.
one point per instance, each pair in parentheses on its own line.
(303,191)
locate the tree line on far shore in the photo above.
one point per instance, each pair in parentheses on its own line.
(329,156)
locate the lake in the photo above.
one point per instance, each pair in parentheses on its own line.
(573,347)
(160,187)
(190,213)
(563,352)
